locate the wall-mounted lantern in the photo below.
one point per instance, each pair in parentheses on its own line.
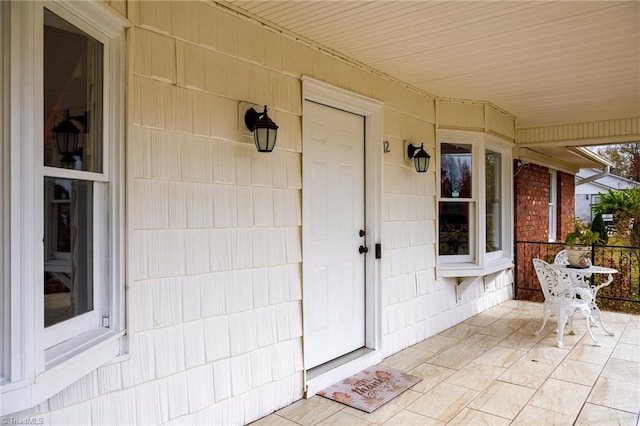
(419,156)
(264,129)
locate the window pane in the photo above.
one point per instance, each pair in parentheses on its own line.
(454,228)
(455,170)
(493,200)
(68,230)
(72,97)
(552,206)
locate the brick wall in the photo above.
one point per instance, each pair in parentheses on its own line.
(566,203)
(531,203)
(531,216)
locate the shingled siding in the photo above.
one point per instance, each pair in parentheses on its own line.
(214,256)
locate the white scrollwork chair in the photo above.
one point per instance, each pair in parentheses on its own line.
(581,280)
(562,299)
(561,258)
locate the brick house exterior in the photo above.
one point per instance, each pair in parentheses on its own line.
(531,198)
(531,202)
(532,183)
(566,203)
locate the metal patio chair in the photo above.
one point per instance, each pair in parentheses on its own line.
(562,299)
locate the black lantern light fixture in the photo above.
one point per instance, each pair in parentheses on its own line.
(264,129)
(66,136)
(420,157)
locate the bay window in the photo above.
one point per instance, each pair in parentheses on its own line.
(474,207)
(62,180)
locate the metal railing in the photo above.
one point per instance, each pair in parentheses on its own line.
(622,295)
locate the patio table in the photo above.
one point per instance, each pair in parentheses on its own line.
(576,277)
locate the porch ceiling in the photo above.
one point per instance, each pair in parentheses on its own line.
(547,62)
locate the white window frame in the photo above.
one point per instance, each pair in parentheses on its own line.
(472,201)
(479,262)
(34,370)
(77,325)
(553,205)
(491,144)
(4,192)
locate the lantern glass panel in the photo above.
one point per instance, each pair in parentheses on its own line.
(260,137)
(73,83)
(265,139)
(421,164)
(271,139)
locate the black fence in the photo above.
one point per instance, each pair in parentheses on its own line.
(622,295)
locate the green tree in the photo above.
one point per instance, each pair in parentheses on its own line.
(626,158)
(625,206)
(600,228)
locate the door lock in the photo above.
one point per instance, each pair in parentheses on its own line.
(363,249)
(361,233)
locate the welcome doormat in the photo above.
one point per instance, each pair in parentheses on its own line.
(370,388)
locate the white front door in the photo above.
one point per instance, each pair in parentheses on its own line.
(333,218)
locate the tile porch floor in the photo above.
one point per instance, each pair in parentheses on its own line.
(491,369)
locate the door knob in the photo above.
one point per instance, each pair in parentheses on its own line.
(363,249)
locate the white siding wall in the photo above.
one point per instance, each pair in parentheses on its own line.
(214,254)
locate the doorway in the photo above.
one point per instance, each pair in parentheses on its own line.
(334,241)
(341,225)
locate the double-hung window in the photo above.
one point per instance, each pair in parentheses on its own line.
(474,204)
(458,202)
(62,187)
(75,180)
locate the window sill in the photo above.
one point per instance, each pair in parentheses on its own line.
(64,367)
(455,270)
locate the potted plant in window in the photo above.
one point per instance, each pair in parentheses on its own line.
(578,244)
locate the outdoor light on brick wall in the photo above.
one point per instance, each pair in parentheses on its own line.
(419,155)
(263,128)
